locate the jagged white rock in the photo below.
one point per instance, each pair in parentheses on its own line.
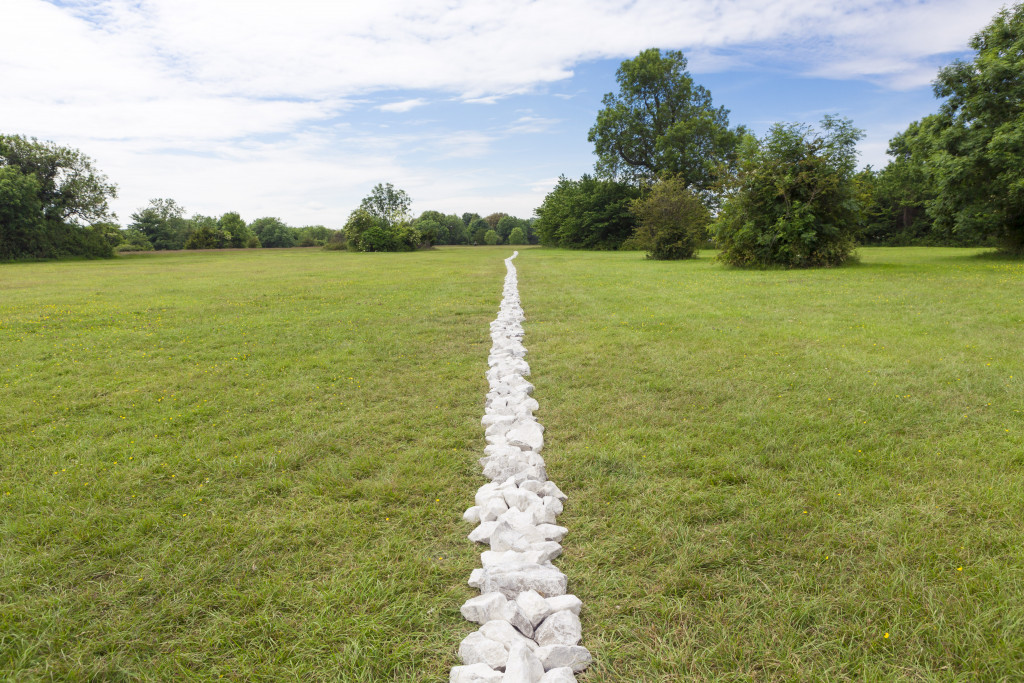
(529,626)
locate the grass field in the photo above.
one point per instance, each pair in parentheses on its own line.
(253,465)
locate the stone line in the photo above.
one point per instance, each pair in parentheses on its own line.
(529,626)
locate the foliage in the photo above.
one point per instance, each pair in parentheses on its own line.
(239,234)
(273,233)
(517,236)
(313,235)
(494,218)
(337,242)
(661,123)
(672,220)
(588,213)
(792,202)
(478,230)
(979,146)
(48,196)
(163,223)
(366,232)
(492,238)
(133,239)
(208,237)
(389,205)
(70,189)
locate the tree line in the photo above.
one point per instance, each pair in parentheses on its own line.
(383,223)
(672,175)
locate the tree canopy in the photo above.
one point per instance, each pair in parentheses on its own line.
(979,142)
(793,200)
(387,203)
(661,123)
(588,213)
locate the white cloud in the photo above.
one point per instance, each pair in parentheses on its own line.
(403,106)
(210,102)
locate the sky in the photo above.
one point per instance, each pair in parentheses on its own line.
(297,108)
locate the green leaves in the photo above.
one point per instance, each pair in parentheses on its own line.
(661,123)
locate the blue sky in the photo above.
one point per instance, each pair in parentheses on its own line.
(296,109)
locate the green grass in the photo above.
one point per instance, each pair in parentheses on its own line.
(253,464)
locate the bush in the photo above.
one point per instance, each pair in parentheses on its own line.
(517,236)
(793,201)
(673,221)
(491,238)
(587,214)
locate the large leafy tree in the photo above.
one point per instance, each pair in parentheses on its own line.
(979,158)
(387,203)
(163,223)
(71,190)
(661,123)
(793,202)
(589,213)
(272,232)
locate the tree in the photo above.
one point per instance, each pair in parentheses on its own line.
(70,190)
(672,220)
(792,202)
(661,123)
(491,238)
(387,204)
(517,236)
(478,230)
(273,233)
(977,162)
(313,235)
(23,231)
(366,232)
(494,218)
(207,236)
(239,234)
(588,213)
(163,223)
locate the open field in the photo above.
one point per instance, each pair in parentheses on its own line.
(254,464)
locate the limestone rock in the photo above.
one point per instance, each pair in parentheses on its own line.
(486,607)
(511,580)
(561,628)
(477,648)
(528,435)
(523,666)
(569,602)
(562,674)
(475,673)
(557,656)
(533,606)
(503,632)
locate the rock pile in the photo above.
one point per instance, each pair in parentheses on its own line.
(529,627)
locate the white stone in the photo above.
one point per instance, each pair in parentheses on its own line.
(503,632)
(528,435)
(549,489)
(476,648)
(575,657)
(562,674)
(511,580)
(533,606)
(475,673)
(569,602)
(483,533)
(486,607)
(560,628)
(472,514)
(552,532)
(523,666)
(493,509)
(521,498)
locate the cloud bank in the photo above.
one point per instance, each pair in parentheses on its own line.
(238,105)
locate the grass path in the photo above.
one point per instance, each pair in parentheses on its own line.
(253,465)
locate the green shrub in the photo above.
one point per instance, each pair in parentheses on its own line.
(793,201)
(673,221)
(491,237)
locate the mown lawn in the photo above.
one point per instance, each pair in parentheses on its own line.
(783,475)
(248,464)
(253,464)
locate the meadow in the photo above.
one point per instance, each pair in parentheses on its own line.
(252,465)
